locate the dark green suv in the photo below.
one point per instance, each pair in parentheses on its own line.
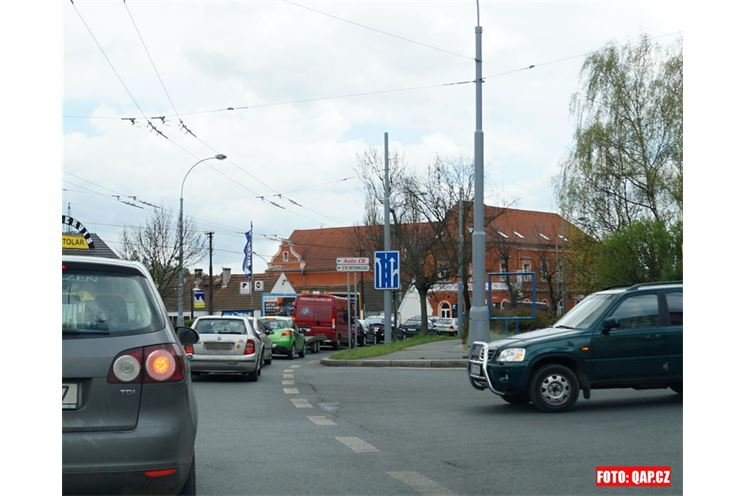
(630,337)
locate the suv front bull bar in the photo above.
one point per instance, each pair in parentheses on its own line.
(478,357)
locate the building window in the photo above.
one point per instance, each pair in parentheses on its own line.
(445,309)
(285,256)
(503,268)
(525,267)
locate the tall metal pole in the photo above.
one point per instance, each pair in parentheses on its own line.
(386,245)
(461,265)
(479,316)
(180,304)
(349,315)
(211,307)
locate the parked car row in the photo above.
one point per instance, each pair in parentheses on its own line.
(373,328)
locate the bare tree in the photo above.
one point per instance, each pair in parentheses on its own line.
(416,239)
(156,246)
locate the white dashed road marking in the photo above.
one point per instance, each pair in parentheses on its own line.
(357,444)
(294,366)
(301,403)
(291,391)
(329,407)
(420,483)
(288,383)
(321,420)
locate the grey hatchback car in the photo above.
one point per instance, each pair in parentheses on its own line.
(129,416)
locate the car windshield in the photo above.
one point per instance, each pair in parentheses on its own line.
(275,324)
(220,326)
(586,312)
(102,303)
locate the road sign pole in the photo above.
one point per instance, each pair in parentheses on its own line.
(349,316)
(386,244)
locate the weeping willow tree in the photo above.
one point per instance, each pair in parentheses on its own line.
(626,162)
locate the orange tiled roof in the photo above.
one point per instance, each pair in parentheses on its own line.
(318,249)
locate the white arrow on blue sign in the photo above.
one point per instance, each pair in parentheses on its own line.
(387,270)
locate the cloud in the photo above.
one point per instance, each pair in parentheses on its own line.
(262,55)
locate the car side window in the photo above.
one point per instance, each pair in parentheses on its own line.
(675,307)
(637,311)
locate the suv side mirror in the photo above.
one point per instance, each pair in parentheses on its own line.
(187,335)
(609,324)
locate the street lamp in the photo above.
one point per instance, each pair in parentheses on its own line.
(180,318)
(478,329)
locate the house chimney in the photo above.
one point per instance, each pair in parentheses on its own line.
(225,276)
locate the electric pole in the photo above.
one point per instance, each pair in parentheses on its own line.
(479,315)
(209,235)
(461,266)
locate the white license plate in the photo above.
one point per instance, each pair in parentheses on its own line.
(476,369)
(69,396)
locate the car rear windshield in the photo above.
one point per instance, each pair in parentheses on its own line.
(275,324)
(98,302)
(220,326)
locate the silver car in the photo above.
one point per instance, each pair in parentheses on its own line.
(229,344)
(129,417)
(446,325)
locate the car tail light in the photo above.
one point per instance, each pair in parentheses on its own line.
(189,348)
(250,348)
(333,323)
(158,363)
(287,333)
(126,366)
(153,474)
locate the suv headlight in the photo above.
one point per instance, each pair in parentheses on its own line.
(512,355)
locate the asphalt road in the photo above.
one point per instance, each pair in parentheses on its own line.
(306,429)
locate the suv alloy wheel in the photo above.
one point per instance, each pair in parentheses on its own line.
(554,388)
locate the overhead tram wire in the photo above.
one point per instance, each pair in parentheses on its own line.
(379,31)
(126,88)
(369,93)
(157,73)
(189,131)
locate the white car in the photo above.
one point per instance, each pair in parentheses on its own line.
(229,344)
(445,325)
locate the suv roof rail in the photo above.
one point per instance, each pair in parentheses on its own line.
(659,283)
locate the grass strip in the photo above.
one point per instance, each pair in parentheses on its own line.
(371,351)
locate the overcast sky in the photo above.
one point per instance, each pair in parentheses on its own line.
(283,60)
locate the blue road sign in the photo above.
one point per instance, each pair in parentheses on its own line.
(387,270)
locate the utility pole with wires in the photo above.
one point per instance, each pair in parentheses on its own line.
(461,266)
(211,307)
(478,330)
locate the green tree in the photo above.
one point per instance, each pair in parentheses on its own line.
(623,180)
(644,251)
(627,158)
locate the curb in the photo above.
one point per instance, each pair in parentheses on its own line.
(435,364)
